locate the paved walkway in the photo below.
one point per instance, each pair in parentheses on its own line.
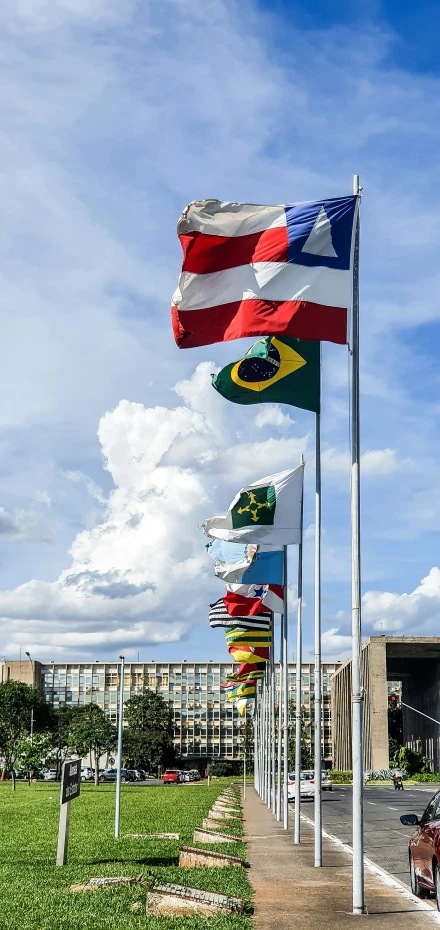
(290,894)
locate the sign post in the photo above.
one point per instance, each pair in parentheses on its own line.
(70,789)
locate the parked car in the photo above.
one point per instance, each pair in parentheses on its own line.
(87,774)
(196,775)
(424,850)
(134,774)
(50,775)
(187,776)
(111,775)
(171,777)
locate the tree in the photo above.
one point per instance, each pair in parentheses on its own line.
(306,744)
(92,732)
(148,736)
(247,741)
(413,762)
(32,753)
(17,700)
(61,735)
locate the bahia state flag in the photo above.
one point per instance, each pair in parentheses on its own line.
(239,564)
(251,598)
(253,270)
(277,370)
(267,511)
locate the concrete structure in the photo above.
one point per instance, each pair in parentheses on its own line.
(406,665)
(205,726)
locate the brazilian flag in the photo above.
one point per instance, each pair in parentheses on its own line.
(276,369)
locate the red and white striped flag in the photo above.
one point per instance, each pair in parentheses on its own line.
(252,270)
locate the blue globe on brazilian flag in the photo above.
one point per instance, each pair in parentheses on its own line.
(275,370)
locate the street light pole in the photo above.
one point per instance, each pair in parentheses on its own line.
(32,709)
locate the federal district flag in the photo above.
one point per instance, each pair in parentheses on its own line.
(275,370)
(252,270)
(250,598)
(268,511)
(219,617)
(237,563)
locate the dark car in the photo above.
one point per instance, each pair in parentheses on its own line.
(111,775)
(424,850)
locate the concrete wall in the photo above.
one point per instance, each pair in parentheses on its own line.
(25,671)
(375,709)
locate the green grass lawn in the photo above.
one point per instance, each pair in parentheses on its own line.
(34,893)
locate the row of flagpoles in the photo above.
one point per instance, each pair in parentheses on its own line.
(289,275)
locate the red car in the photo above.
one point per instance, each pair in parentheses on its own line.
(171,777)
(424,850)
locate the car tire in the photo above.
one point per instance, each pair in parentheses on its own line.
(416,888)
(123,780)
(437,885)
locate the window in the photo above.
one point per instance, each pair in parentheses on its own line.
(432,811)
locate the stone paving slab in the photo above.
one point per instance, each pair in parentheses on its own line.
(177,900)
(192,857)
(290,894)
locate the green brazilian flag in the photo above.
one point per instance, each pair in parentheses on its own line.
(277,369)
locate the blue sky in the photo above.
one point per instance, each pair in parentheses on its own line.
(114,448)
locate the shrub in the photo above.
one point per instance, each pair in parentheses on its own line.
(340,778)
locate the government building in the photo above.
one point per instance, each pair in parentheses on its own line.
(206,727)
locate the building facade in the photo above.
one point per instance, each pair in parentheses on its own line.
(408,666)
(205,725)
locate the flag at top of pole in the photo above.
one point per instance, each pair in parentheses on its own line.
(253,270)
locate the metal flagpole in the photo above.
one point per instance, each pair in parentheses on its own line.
(272,720)
(356,686)
(285,701)
(264,795)
(256,741)
(118,770)
(280,724)
(318,686)
(268,767)
(298,714)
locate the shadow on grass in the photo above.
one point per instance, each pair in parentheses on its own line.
(145,860)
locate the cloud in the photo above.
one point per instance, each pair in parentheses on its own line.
(391,613)
(373,462)
(24,525)
(78,478)
(147,557)
(272,415)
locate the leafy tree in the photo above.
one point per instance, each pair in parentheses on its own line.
(395,730)
(17,700)
(148,736)
(413,762)
(306,743)
(247,741)
(92,732)
(61,724)
(32,753)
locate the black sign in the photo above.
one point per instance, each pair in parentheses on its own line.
(70,780)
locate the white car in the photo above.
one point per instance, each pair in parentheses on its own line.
(50,775)
(307,785)
(326,783)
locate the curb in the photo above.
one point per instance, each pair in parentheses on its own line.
(385,876)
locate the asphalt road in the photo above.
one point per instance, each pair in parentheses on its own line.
(386,840)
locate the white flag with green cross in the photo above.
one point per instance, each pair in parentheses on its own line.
(267,511)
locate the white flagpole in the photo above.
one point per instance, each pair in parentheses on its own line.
(285,702)
(356,687)
(298,715)
(318,687)
(120,728)
(272,722)
(280,724)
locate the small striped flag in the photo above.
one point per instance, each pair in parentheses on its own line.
(219,617)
